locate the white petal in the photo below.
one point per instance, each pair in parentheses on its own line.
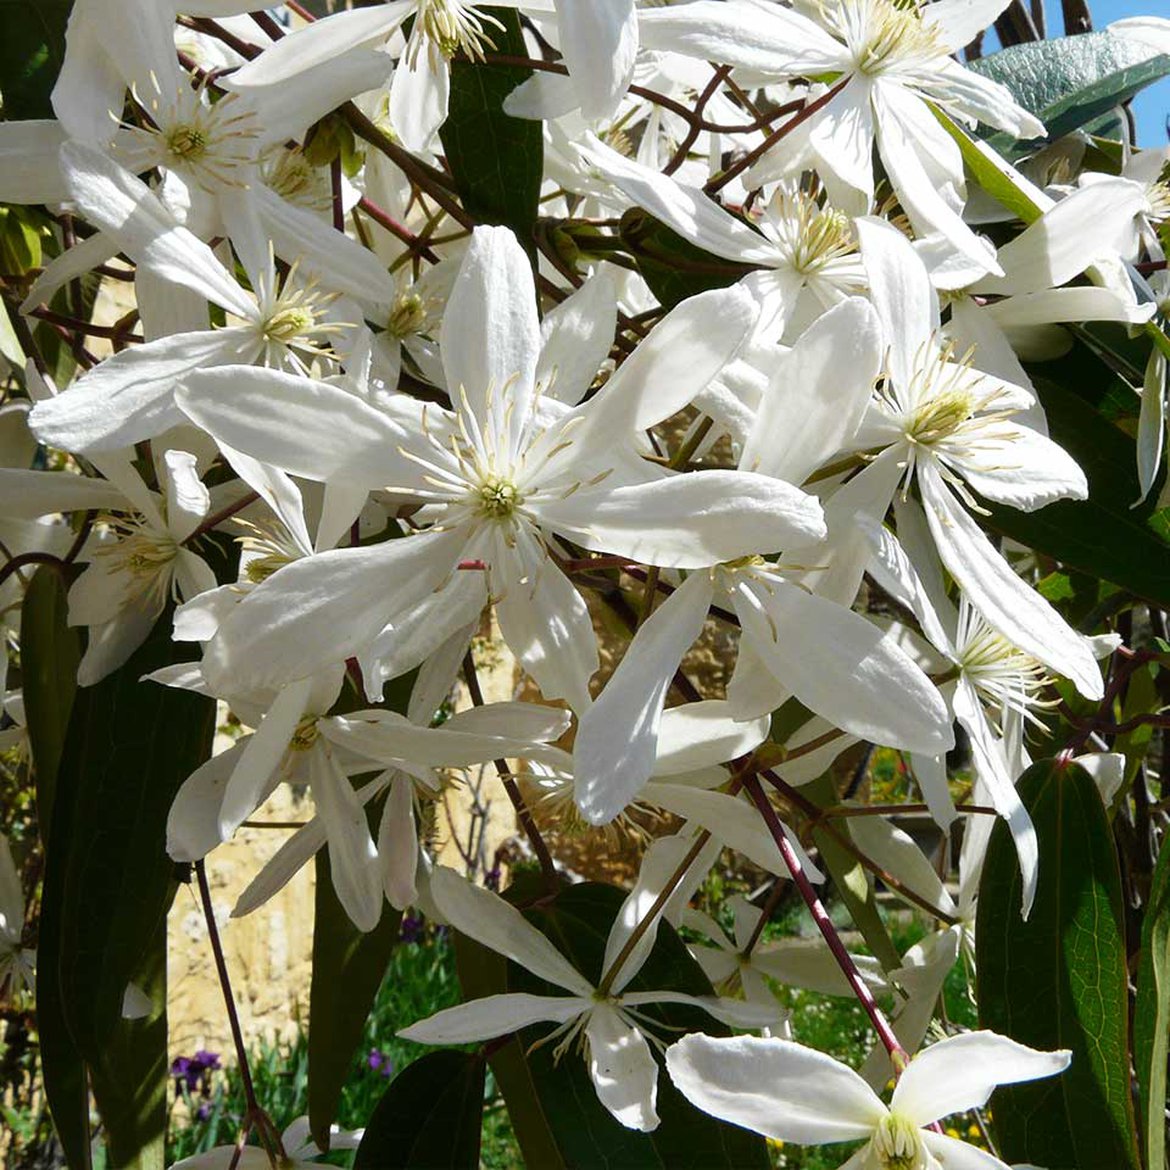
(30,167)
(775,1087)
(398,843)
(842,666)
(809,964)
(901,292)
(960,1073)
(599,42)
(1012,607)
(490,337)
(29,494)
(353,857)
(544,620)
(617,737)
(308,428)
(492,1016)
(576,337)
(896,852)
(843,136)
(959,1155)
(688,521)
(817,395)
(622,1068)
(959,22)
(488,919)
(188,501)
(130,396)
(419,98)
(193,828)
(114,200)
(283,867)
(697,735)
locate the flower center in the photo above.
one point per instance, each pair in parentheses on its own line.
(897,1144)
(408,316)
(453,27)
(939,417)
(895,33)
(498,498)
(186,143)
(290,322)
(305,735)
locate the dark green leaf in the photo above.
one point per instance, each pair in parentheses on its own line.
(129,746)
(578,920)
(1059,979)
(671,265)
(429,1118)
(49,678)
(1068,82)
(1151,1019)
(348,966)
(131,1082)
(497,161)
(1104,535)
(32,47)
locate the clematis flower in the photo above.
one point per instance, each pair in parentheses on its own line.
(891,62)
(795,1094)
(508,469)
(621,1065)
(948,428)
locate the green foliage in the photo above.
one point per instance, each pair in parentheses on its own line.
(348,966)
(1104,536)
(497,161)
(1151,1019)
(430,1116)
(108,884)
(1058,980)
(32,48)
(554,1107)
(1069,82)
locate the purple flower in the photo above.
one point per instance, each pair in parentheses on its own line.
(380,1063)
(411,928)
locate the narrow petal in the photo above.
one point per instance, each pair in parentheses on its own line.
(576,337)
(688,521)
(697,735)
(488,919)
(492,1016)
(896,852)
(842,666)
(775,1087)
(599,42)
(1008,603)
(623,1069)
(617,737)
(30,494)
(959,1073)
(959,1155)
(398,843)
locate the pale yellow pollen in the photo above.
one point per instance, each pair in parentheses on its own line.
(451,27)
(498,498)
(187,143)
(897,33)
(939,417)
(289,323)
(305,735)
(898,1144)
(408,315)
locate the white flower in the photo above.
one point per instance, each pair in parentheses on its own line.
(16,963)
(795,1094)
(623,1069)
(891,60)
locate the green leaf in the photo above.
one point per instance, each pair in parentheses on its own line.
(497,162)
(1104,535)
(32,48)
(129,746)
(852,881)
(1059,979)
(348,966)
(132,1080)
(429,1118)
(1069,82)
(578,920)
(671,265)
(49,679)
(1151,1019)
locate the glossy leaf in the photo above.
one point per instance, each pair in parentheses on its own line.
(1067,82)
(50,655)
(348,966)
(1151,1035)
(32,47)
(1104,535)
(129,747)
(497,161)
(1059,979)
(430,1118)
(556,1102)
(131,1082)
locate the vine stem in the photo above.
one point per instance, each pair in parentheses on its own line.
(548,867)
(898,1055)
(255,1115)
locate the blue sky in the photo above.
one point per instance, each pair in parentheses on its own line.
(1152,105)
